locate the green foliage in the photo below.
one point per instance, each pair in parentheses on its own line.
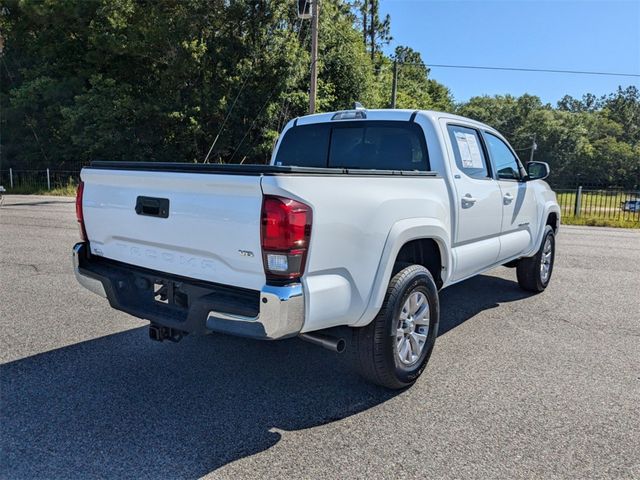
(133,80)
(66,190)
(595,221)
(415,89)
(160,80)
(376,32)
(591,140)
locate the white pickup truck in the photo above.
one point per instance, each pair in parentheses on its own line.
(361,217)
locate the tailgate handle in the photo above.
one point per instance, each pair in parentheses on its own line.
(152,207)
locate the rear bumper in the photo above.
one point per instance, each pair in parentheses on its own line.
(190,305)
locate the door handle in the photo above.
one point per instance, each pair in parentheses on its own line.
(508,198)
(468,201)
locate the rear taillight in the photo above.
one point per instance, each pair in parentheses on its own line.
(286,230)
(79,213)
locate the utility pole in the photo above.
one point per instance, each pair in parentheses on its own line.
(372,32)
(315,11)
(394,84)
(534,147)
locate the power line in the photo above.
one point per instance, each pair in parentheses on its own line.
(483,67)
(244,84)
(273,91)
(519,69)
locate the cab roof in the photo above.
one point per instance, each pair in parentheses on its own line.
(386,114)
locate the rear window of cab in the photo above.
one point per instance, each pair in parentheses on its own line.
(378,145)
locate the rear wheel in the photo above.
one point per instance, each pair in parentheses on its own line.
(534,273)
(393,350)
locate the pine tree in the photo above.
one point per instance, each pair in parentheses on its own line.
(375,32)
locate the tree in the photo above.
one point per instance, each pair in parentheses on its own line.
(589,103)
(375,32)
(133,80)
(123,79)
(623,107)
(591,140)
(415,89)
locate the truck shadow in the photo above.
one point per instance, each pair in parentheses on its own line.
(41,202)
(464,300)
(122,406)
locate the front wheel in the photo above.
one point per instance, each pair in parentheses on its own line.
(534,273)
(393,350)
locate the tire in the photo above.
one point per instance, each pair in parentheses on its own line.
(377,346)
(530,271)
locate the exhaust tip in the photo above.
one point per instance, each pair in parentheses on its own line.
(329,342)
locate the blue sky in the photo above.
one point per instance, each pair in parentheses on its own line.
(591,35)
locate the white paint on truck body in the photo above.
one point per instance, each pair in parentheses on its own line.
(211,218)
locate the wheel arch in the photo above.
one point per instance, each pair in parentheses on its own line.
(553,220)
(421,251)
(550,213)
(415,236)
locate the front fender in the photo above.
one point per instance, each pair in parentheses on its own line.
(550,206)
(402,232)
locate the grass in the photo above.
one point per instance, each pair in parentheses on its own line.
(593,221)
(64,190)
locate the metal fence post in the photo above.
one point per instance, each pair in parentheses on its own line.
(11,177)
(578,204)
(48,180)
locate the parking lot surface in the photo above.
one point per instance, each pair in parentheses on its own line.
(519,385)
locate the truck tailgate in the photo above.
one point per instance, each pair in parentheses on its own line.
(211,231)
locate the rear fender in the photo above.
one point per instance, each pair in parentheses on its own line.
(402,232)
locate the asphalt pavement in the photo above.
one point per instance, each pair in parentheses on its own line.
(519,385)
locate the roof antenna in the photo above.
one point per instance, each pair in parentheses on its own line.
(358,106)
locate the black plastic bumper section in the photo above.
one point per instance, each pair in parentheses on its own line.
(166,300)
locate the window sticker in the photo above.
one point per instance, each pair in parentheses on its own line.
(474,151)
(463,148)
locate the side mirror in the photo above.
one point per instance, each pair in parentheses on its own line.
(537,170)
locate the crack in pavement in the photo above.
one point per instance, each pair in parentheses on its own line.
(17,264)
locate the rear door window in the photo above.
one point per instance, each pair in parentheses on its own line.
(468,152)
(379,145)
